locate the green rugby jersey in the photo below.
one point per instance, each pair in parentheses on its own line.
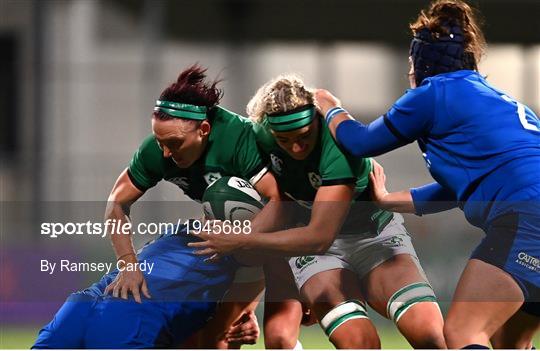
(326,165)
(231,151)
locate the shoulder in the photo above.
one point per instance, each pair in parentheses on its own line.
(225,118)
(149,146)
(333,158)
(264,137)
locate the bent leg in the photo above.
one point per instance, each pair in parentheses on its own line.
(397,290)
(480,307)
(282,308)
(335,297)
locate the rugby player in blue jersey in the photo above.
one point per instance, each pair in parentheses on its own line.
(185,294)
(483,149)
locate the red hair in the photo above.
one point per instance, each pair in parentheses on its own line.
(191,88)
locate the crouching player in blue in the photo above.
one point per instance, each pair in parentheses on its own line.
(185,293)
(483,149)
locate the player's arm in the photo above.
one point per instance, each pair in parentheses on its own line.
(328,213)
(409,118)
(273,215)
(123,194)
(430,198)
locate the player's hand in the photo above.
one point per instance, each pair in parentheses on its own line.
(325,101)
(129,282)
(378,183)
(216,243)
(245,330)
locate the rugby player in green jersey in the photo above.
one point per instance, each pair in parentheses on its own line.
(348,252)
(194,141)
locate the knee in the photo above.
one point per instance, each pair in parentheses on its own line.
(348,326)
(451,333)
(279,338)
(429,338)
(423,327)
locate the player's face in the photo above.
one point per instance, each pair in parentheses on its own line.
(412,78)
(299,143)
(183,141)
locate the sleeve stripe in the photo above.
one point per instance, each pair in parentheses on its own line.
(259,173)
(328,182)
(394,130)
(134,181)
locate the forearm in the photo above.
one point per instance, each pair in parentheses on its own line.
(121,241)
(363,140)
(289,243)
(271,218)
(432,198)
(399,201)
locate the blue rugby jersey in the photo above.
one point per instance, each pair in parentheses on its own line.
(478,143)
(185,291)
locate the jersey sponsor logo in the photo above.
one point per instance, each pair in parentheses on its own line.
(182,182)
(528,261)
(277,164)
(304,261)
(315,180)
(211,177)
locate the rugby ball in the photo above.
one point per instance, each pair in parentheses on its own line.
(231,198)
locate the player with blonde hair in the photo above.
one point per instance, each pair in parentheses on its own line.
(347,252)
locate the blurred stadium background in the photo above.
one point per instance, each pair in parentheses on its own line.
(78,82)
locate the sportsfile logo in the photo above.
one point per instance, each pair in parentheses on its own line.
(304,261)
(528,261)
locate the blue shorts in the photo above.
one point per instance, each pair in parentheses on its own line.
(512,243)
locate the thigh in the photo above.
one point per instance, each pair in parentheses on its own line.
(485,299)
(335,298)
(397,290)
(512,243)
(327,289)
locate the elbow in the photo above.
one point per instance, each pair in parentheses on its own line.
(321,248)
(324,242)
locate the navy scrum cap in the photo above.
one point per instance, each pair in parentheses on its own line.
(434,55)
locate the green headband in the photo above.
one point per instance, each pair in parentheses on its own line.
(291,121)
(179,110)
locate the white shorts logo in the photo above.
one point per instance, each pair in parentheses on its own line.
(394,241)
(304,261)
